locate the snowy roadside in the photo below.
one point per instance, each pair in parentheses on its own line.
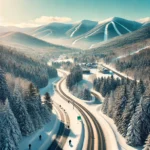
(77,134)
(120,139)
(101,98)
(47,131)
(49,88)
(76,126)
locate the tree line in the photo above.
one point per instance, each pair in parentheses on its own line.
(138,65)
(74,77)
(21,112)
(128,104)
(25,67)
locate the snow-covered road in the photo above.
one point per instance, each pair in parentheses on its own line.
(110,139)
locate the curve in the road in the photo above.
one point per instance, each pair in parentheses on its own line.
(85,113)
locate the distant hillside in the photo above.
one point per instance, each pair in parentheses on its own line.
(23,66)
(137,65)
(85,34)
(28,43)
(140,36)
(107,30)
(4,29)
(24,39)
(80,28)
(52,30)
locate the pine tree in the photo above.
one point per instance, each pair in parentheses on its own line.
(43,109)
(3,87)
(87,94)
(141,87)
(12,123)
(147,143)
(48,101)
(139,126)
(6,143)
(134,130)
(105,105)
(111,105)
(21,114)
(45,113)
(128,113)
(10,134)
(32,107)
(120,105)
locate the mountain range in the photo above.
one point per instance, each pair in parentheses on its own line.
(85,34)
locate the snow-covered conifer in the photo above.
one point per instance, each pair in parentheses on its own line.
(87,94)
(147,143)
(21,114)
(128,113)
(32,108)
(48,101)
(105,104)
(3,87)
(9,128)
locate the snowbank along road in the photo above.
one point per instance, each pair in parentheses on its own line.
(63,131)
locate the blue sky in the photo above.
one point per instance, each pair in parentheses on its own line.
(27,11)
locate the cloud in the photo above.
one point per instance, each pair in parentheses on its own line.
(38,21)
(46,19)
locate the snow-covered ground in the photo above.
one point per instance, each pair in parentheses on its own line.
(85,83)
(49,88)
(120,139)
(95,73)
(48,133)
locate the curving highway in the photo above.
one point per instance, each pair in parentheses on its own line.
(96,140)
(63,131)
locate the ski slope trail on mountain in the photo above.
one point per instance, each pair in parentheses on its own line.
(75,30)
(106,32)
(124,27)
(114,25)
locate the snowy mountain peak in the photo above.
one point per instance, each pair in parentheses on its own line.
(110,19)
(88,22)
(106,20)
